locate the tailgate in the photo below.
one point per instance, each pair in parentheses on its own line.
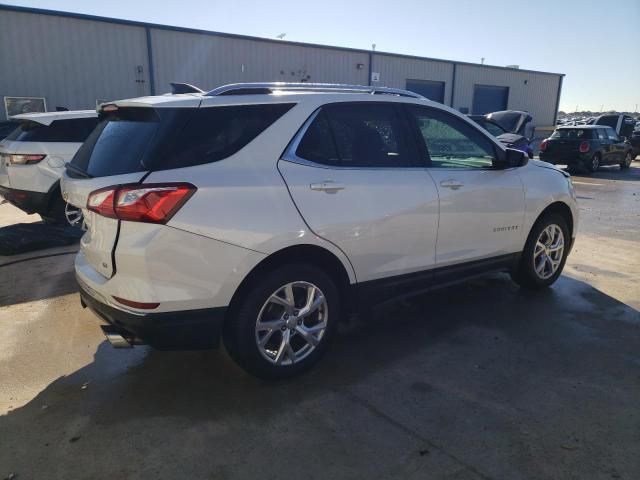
(99,242)
(563,146)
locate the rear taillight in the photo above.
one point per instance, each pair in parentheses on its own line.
(153,203)
(544,145)
(584,146)
(25,159)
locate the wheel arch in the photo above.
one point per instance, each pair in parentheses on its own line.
(562,209)
(306,253)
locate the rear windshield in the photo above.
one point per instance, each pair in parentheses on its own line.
(141,139)
(574,133)
(75,130)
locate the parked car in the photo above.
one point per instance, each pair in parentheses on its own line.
(265,213)
(622,124)
(512,128)
(32,159)
(635,142)
(586,146)
(6,128)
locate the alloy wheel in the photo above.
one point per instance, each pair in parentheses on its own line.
(74,216)
(595,163)
(548,252)
(291,323)
(628,160)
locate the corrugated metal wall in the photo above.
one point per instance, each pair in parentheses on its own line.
(72,62)
(535,93)
(68,61)
(209,61)
(395,71)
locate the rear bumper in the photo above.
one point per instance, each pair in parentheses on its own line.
(183,330)
(26,200)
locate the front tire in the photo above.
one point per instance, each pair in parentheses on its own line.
(284,322)
(544,254)
(626,163)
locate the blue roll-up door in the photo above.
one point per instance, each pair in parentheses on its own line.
(489,98)
(427,88)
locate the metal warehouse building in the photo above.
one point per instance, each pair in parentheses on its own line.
(52,59)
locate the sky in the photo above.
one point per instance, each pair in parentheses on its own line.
(594,42)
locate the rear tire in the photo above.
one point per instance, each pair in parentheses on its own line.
(542,262)
(63,213)
(626,163)
(284,322)
(593,164)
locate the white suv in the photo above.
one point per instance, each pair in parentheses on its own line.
(32,159)
(266,213)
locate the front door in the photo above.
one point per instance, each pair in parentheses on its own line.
(353,176)
(481,206)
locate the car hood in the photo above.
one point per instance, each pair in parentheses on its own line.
(541,164)
(512,121)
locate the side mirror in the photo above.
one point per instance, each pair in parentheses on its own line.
(515,158)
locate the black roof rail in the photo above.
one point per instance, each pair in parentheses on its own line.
(178,87)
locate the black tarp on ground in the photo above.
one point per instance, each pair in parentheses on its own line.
(27,237)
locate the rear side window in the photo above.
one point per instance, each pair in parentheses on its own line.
(215,133)
(142,139)
(574,133)
(602,134)
(75,130)
(359,135)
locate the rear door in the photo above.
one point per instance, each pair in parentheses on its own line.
(353,174)
(481,206)
(617,146)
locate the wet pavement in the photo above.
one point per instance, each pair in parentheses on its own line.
(480,380)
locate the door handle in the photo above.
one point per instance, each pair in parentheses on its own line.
(452,184)
(328,186)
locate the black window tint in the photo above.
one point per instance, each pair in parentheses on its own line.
(214,133)
(451,142)
(369,135)
(609,120)
(139,139)
(317,144)
(119,144)
(75,130)
(602,134)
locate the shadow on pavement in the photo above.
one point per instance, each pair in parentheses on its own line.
(515,383)
(29,237)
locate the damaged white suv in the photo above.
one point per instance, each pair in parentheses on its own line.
(263,214)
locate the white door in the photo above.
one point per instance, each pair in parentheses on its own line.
(352,174)
(481,205)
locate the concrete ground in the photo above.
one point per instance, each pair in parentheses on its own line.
(480,380)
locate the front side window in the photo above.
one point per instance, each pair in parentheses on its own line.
(451,142)
(612,134)
(359,135)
